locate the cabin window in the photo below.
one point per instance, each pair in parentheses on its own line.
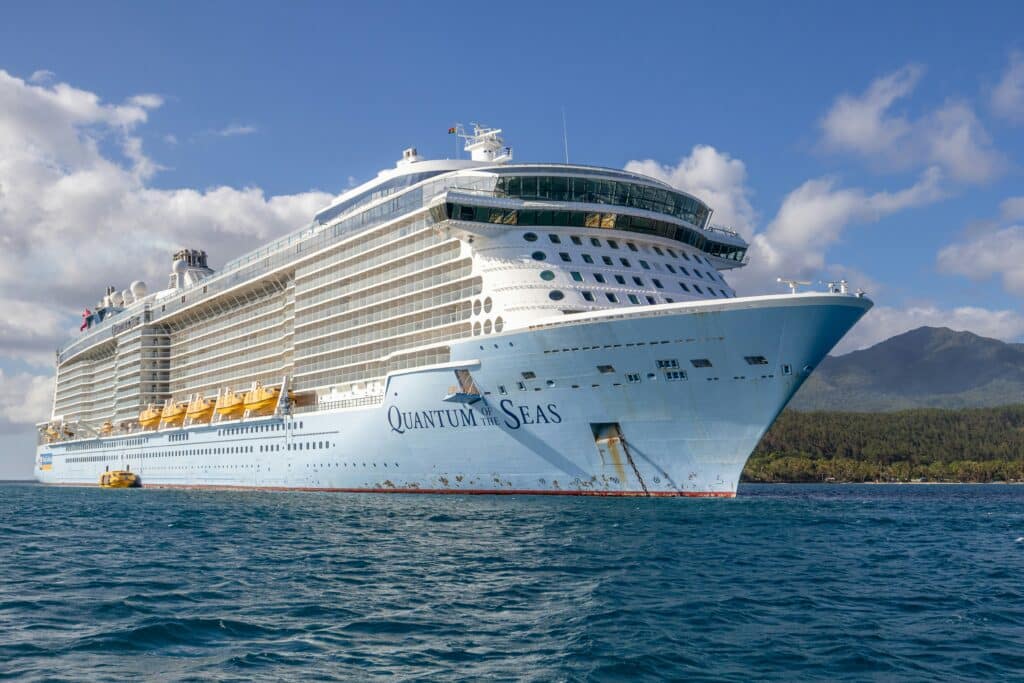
(638,281)
(555,295)
(645,265)
(633,377)
(596,242)
(700,362)
(529,374)
(611,297)
(565,256)
(625,262)
(576,240)
(539,256)
(605,369)
(683,286)
(657,283)
(607,260)
(555,239)
(587,296)
(598,277)
(633,299)
(587,258)
(613,244)
(632,247)
(621,280)
(675,375)
(530,236)
(576,276)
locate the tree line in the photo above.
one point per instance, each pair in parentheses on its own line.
(972,445)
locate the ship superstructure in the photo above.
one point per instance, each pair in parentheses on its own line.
(447,299)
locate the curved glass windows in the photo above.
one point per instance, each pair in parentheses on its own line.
(499,324)
(615,192)
(487,326)
(488,304)
(555,295)
(580,219)
(538,256)
(547,275)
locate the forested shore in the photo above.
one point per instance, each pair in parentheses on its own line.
(971,445)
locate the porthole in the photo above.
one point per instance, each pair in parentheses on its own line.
(547,275)
(538,255)
(476,307)
(476,328)
(530,237)
(499,324)
(488,305)
(487,326)
(555,295)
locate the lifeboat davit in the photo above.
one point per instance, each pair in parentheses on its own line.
(150,417)
(230,404)
(200,410)
(173,414)
(120,479)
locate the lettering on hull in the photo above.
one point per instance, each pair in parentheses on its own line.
(511,416)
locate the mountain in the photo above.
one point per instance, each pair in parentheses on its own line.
(930,367)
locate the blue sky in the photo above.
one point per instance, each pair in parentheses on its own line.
(264,109)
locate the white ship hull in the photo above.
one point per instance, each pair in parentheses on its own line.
(679,436)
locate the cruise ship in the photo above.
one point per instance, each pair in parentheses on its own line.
(467,325)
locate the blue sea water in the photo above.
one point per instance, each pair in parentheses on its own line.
(782,583)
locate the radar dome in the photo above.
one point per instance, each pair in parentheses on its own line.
(126,297)
(179,267)
(138,289)
(117,299)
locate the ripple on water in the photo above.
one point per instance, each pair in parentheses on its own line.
(783,583)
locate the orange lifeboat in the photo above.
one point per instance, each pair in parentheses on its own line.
(200,410)
(261,400)
(173,414)
(230,404)
(150,417)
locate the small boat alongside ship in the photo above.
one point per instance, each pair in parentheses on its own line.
(120,479)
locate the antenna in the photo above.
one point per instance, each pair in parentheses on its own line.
(565,136)
(792,284)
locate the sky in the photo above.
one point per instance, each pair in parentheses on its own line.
(877,141)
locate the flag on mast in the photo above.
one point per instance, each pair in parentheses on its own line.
(451,131)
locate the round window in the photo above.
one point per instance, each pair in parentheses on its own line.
(499,324)
(547,275)
(476,307)
(488,305)
(530,237)
(539,256)
(476,328)
(555,295)
(487,326)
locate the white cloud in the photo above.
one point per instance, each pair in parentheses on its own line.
(951,136)
(1012,209)
(237,129)
(715,177)
(813,217)
(985,254)
(1008,95)
(171,139)
(883,322)
(863,123)
(41,76)
(146,101)
(73,219)
(25,398)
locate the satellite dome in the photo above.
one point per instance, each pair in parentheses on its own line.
(117,299)
(126,297)
(138,289)
(179,267)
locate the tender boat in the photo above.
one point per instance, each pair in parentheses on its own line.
(120,479)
